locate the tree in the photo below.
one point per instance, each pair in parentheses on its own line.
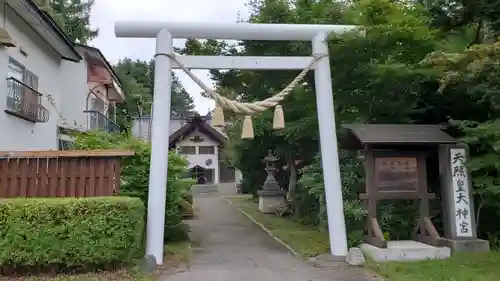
(138,77)
(73,16)
(182,104)
(474,72)
(477,18)
(368,57)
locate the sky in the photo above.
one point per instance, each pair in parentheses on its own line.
(106,12)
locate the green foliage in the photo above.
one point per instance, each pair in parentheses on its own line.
(135,176)
(483,141)
(73,16)
(351,171)
(138,79)
(69,232)
(461,16)
(474,73)
(177,199)
(474,70)
(459,267)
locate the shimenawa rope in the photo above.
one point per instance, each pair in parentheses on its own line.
(247,108)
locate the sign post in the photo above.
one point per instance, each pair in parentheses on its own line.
(460,233)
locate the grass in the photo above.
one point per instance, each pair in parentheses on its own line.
(120,275)
(305,240)
(175,254)
(460,267)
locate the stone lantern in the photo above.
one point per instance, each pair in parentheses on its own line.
(271,197)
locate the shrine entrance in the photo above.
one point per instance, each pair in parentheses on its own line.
(166,60)
(202,175)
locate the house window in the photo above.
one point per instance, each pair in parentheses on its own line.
(23,98)
(96,104)
(20,73)
(30,79)
(206,150)
(96,114)
(16,70)
(187,150)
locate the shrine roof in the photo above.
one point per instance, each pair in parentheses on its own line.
(396,134)
(200,123)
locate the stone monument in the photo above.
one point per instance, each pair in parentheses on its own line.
(271,197)
(458,204)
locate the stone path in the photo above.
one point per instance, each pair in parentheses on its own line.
(233,248)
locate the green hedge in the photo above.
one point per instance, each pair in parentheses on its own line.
(135,176)
(70,232)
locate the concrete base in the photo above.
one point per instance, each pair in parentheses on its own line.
(466,245)
(270,203)
(328,257)
(355,257)
(147,264)
(405,251)
(327,261)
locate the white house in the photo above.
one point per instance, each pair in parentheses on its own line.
(93,107)
(45,80)
(199,142)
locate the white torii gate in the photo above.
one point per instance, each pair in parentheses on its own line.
(165,32)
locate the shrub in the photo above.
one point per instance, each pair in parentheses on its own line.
(68,232)
(313,195)
(135,176)
(178,194)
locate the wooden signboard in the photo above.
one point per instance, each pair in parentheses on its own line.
(396,174)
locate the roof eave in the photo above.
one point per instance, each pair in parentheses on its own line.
(46,27)
(360,135)
(103,59)
(210,130)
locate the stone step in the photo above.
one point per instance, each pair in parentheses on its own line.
(204,188)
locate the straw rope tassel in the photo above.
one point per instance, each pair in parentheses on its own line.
(247,130)
(218,116)
(279,118)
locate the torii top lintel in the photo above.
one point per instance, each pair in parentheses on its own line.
(227,31)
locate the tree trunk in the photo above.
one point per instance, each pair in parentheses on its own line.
(478,211)
(479,34)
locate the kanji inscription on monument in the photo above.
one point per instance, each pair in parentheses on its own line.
(396,173)
(463,219)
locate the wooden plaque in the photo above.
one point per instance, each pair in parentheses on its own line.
(396,174)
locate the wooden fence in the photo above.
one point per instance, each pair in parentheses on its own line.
(73,173)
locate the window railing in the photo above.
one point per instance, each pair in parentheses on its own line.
(25,102)
(98,121)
